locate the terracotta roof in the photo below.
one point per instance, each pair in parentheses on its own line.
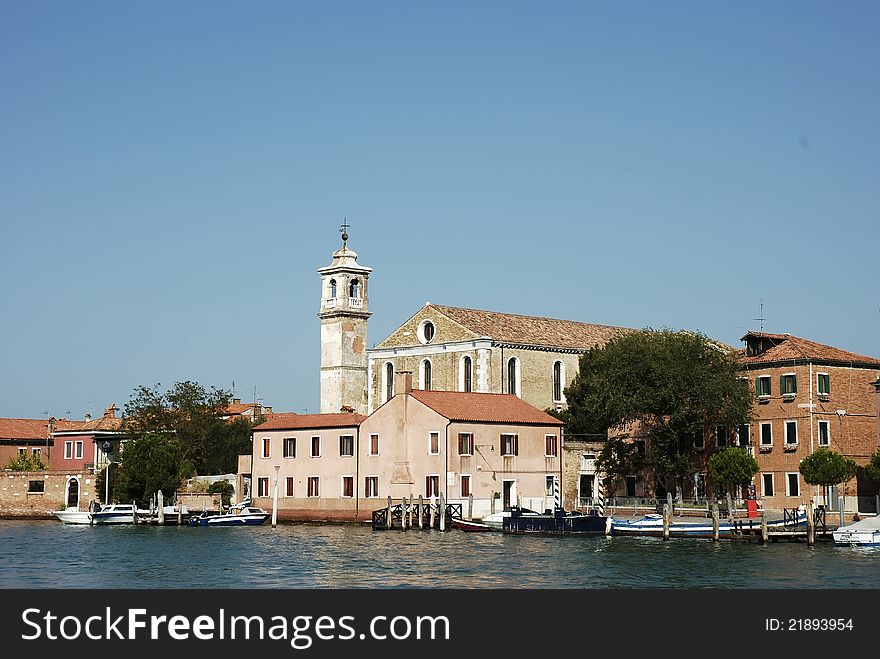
(24,428)
(101,423)
(793,348)
(238,408)
(532,330)
(484,408)
(293,421)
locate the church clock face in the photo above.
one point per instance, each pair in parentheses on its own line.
(426,331)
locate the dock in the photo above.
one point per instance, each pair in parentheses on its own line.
(415,513)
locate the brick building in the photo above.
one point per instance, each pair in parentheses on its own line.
(809,395)
(495,447)
(86,445)
(30,436)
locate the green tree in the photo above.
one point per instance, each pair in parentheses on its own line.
(193,415)
(618,459)
(825,467)
(872,469)
(673,383)
(26,462)
(150,463)
(733,466)
(224,488)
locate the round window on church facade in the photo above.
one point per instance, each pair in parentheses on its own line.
(426,331)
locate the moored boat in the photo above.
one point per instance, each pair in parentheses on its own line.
(74,516)
(469,525)
(116,513)
(241,514)
(558,522)
(653,525)
(864,533)
(495,521)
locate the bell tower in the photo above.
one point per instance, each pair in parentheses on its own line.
(344,313)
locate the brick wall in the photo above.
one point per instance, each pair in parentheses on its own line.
(17,501)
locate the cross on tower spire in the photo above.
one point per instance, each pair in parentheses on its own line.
(343,229)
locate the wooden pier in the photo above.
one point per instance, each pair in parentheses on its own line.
(415,513)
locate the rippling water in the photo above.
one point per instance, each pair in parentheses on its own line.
(53,555)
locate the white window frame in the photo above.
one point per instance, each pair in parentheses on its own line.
(317,480)
(702,444)
(517,385)
(346,455)
(266,447)
(788,395)
(385,384)
(260,481)
(739,439)
(292,481)
(470,485)
(78,449)
(370,447)
(68,450)
(819,424)
(422,379)
(769,378)
(427,476)
(514,444)
(312,446)
(788,483)
(430,433)
(717,436)
(461,373)
(549,479)
(342,494)
(785,441)
(761,430)
(284,450)
(823,393)
(555,446)
(561,398)
(471,435)
(764,484)
(367,494)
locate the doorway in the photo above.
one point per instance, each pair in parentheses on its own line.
(73,493)
(508,493)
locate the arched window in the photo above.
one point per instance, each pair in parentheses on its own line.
(389,381)
(426,375)
(557,381)
(512,375)
(332,288)
(467,374)
(354,288)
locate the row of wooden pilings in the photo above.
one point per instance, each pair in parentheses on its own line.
(412,512)
(716,523)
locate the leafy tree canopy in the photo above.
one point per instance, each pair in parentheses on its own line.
(619,458)
(826,467)
(733,466)
(872,469)
(150,463)
(193,415)
(26,462)
(672,382)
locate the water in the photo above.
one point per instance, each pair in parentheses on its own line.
(53,555)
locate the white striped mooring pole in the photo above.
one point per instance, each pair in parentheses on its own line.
(600,501)
(556,502)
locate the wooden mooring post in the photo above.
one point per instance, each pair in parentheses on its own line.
(403,514)
(666,514)
(134,512)
(433,509)
(421,513)
(470,506)
(765,532)
(160,506)
(811,525)
(716,523)
(442,512)
(388,524)
(670,504)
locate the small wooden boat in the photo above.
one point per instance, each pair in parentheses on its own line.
(469,525)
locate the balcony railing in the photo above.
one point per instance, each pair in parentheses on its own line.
(329,303)
(356,302)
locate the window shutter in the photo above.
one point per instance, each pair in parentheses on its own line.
(516,444)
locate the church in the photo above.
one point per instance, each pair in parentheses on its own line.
(445,348)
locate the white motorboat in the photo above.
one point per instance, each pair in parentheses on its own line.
(241,514)
(495,521)
(116,513)
(864,533)
(74,516)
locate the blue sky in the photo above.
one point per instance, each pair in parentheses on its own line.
(172,174)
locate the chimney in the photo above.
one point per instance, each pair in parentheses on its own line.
(110,412)
(88,416)
(236,401)
(403,382)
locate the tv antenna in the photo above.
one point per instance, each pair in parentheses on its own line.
(761,316)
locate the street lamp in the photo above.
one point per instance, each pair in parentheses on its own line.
(275,498)
(107,484)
